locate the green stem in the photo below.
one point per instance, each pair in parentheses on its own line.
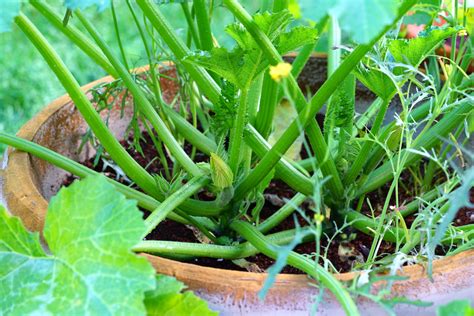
(204,26)
(173,201)
(361,158)
(144,201)
(90,115)
(76,36)
(205,82)
(236,133)
(284,169)
(141,100)
(117,35)
(427,140)
(300,262)
(190,206)
(191,25)
(280,215)
(265,114)
(239,251)
(190,133)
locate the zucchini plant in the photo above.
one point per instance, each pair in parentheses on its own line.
(227,107)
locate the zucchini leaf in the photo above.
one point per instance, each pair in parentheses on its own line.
(456,308)
(246,61)
(168,299)
(411,52)
(414,51)
(15,238)
(90,229)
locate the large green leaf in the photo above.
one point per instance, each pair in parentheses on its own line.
(167,299)
(414,51)
(376,80)
(242,64)
(15,238)
(410,52)
(456,308)
(361,19)
(9,9)
(90,229)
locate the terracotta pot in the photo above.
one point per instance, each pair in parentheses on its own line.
(30,182)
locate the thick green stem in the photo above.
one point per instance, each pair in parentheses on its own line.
(306,114)
(284,169)
(190,206)
(280,215)
(239,251)
(141,100)
(190,133)
(237,132)
(300,262)
(205,82)
(90,115)
(144,201)
(204,25)
(361,158)
(173,201)
(265,114)
(191,25)
(315,136)
(76,36)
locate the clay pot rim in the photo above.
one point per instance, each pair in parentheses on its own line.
(19,169)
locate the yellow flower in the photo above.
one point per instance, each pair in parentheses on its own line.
(462,33)
(319,218)
(282,70)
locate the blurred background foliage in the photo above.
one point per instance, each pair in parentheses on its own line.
(26,82)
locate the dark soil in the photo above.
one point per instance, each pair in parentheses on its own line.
(343,253)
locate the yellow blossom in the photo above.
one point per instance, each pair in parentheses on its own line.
(319,218)
(462,33)
(282,70)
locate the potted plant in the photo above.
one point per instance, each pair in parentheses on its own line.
(371,196)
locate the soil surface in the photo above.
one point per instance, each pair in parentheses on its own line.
(343,253)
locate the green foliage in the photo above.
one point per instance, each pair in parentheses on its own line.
(84,4)
(361,19)
(246,61)
(15,238)
(378,81)
(377,72)
(413,51)
(91,268)
(168,299)
(458,199)
(339,118)
(456,308)
(10,9)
